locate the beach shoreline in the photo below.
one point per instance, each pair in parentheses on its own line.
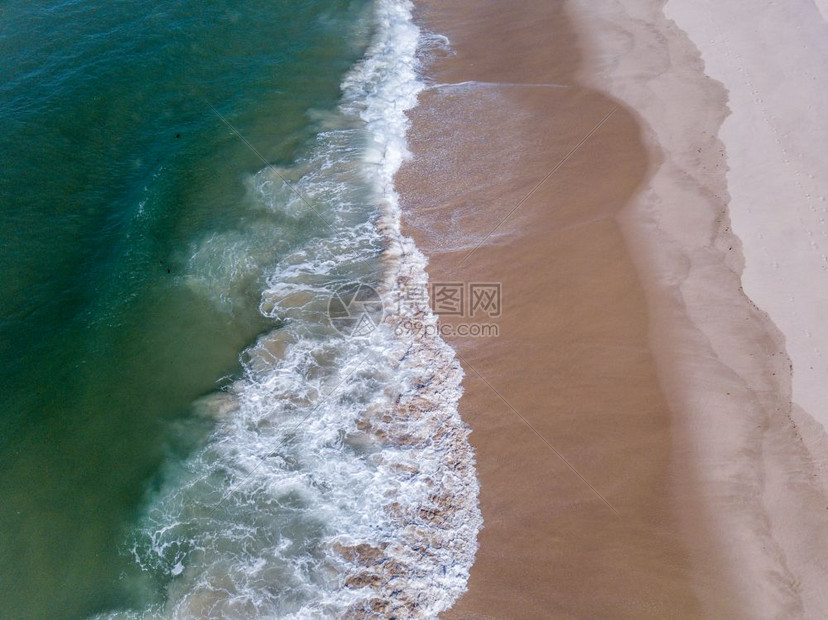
(632,417)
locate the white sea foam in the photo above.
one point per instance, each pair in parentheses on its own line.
(339,481)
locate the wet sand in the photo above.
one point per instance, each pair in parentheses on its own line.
(616,479)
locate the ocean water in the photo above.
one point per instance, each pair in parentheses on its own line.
(184,431)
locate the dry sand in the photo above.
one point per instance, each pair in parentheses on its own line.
(775,67)
(632,420)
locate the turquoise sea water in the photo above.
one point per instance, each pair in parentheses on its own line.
(113,172)
(183,432)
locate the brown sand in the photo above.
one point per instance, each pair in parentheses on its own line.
(572,357)
(590,489)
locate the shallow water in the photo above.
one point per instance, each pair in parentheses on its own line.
(184,432)
(132,252)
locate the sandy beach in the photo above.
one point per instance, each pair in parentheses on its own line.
(639,450)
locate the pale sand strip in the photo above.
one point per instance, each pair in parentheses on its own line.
(716,508)
(773,59)
(724,364)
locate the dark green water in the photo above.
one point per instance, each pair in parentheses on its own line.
(116,311)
